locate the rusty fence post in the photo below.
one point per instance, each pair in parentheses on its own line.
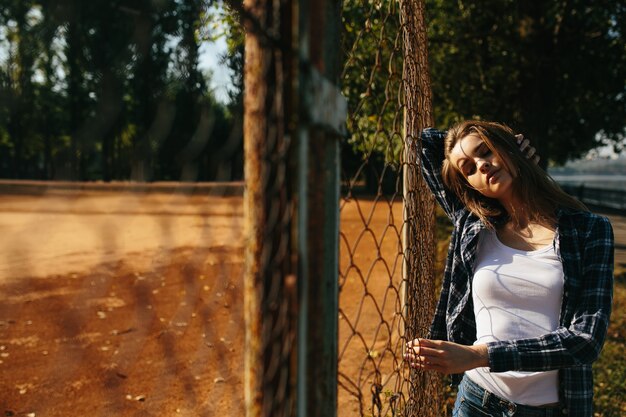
(270,280)
(294,116)
(419,208)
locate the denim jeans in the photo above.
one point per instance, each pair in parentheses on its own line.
(474,401)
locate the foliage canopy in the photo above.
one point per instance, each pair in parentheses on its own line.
(109,90)
(553,70)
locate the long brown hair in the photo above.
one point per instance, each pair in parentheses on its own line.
(531,184)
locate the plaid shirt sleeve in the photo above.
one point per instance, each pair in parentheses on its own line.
(432,160)
(580,342)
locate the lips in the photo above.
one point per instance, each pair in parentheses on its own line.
(490,175)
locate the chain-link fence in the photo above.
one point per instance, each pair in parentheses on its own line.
(145,287)
(387,241)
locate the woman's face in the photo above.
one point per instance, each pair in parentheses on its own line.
(483,170)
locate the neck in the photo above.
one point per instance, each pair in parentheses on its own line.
(518,212)
(522,217)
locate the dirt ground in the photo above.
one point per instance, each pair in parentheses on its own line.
(120,303)
(124,302)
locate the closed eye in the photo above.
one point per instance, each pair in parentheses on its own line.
(468,168)
(484,150)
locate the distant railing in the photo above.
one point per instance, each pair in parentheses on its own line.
(609,198)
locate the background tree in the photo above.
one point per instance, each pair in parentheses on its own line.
(189,138)
(554,70)
(113,90)
(149,102)
(19,91)
(371,81)
(49,103)
(106,90)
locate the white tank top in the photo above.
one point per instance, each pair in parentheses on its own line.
(516,294)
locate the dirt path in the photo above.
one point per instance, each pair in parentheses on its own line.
(126,303)
(118,303)
(129,302)
(66,230)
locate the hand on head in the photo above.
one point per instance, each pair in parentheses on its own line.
(524,146)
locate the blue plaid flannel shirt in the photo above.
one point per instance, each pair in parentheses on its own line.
(585,245)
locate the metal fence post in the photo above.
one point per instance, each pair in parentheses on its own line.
(323,111)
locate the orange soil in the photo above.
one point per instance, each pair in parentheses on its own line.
(130,304)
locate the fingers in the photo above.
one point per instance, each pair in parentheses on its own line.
(424,354)
(531,154)
(424,361)
(417,343)
(427,366)
(414,342)
(526,149)
(429,343)
(424,351)
(524,144)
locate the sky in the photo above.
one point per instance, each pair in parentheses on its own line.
(210,55)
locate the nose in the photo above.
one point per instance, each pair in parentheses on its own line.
(483,165)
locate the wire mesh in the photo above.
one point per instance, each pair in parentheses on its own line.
(121,268)
(126,297)
(387,243)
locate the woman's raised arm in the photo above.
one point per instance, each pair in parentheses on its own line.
(432,160)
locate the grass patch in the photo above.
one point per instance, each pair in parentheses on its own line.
(610,369)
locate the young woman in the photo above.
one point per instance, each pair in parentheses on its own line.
(527,290)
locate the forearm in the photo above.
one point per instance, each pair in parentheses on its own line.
(445,357)
(432,158)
